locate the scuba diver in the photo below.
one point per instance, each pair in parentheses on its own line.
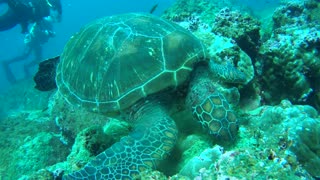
(38,34)
(24,12)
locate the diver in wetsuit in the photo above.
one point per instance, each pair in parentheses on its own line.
(24,12)
(39,33)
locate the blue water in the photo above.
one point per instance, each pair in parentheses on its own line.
(76,13)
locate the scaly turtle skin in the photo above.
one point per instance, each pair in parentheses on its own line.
(127,64)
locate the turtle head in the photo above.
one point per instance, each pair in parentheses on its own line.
(210,107)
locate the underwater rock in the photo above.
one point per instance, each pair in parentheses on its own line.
(196,166)
(183,10)
(225,52)
(148,174)
(242,28)
(70,120)
(41,174)
(289,60)
(296,13)
(288,14)
(38,152)
(29,142)
(191,146)
(265,147)
(22,96)
(296,130)
(93,140)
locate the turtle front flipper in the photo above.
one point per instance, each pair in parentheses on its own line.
(153,137)
(210,107)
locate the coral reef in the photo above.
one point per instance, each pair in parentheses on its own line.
(227,48)
(93,140)
(30,140)
(242,28)
(291,131)
(289,61)
(22,96)
(183,10)
(196,167)
(276,141)
(38,152)
(224,52)
(68,117)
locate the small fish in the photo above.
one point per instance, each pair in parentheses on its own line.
(154,7)
(45,109)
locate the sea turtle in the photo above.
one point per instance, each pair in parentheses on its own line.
(133,66)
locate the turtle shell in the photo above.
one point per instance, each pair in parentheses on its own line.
(115,61)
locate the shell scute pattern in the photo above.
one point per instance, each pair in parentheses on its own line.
(123,59)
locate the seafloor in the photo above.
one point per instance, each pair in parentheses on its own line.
(277,48)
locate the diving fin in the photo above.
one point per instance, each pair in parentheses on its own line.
(9,74)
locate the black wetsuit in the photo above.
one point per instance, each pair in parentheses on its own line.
(24,12)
